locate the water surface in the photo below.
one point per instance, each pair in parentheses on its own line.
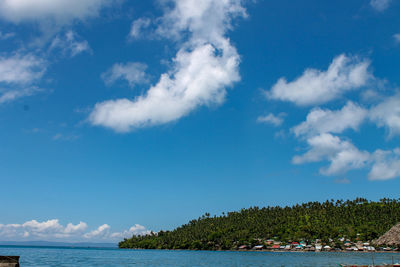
(68,257)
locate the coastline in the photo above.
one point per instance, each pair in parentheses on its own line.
(268,250)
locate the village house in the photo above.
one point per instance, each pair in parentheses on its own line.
(269,242)
(276,247)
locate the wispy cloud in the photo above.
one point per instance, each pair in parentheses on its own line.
(18,76)
(133,72)
(380,5)
(70,44)
(138,26)
(396,38)
(11,95)
(275,120)
(21,69)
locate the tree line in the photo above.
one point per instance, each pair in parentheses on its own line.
(357,219)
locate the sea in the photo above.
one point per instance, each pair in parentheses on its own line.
(99,257)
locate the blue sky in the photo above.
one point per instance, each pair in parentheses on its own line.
(121,117)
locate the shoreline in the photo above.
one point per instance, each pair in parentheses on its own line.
(266,250)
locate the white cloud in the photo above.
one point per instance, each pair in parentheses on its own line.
(101,232)
(69,44)
(275,120)
(317,87)
(52,230)
(18,74)
(380,5)
(317,130)
(42,227)
(75,228)
(320,125)
(59,11)
(203,67)
(137,229)
(387,114)
(35,230)
(133,72)
(138,26)
(207,20)
(342,155)
(200,79)
(21,69)
(327,121)
(386,165)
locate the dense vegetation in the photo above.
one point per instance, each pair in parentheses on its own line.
(358,219)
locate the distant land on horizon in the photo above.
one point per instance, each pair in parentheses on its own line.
(58,244)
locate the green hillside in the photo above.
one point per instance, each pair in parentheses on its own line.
(358,219)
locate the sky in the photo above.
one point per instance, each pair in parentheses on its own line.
(123,117)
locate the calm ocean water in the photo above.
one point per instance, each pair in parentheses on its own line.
(45,256)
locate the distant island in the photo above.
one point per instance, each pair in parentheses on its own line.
(333,225)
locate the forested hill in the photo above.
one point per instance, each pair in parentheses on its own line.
(358,219)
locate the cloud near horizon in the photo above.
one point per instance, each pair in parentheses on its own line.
(205,65)
(52,230)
